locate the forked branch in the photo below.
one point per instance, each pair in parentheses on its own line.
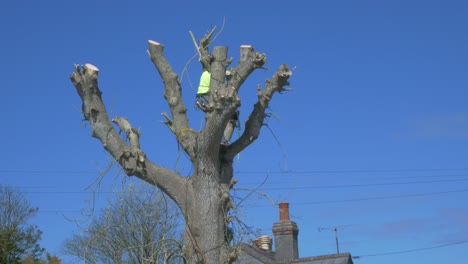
(204,55)
(131,158)
(248,62)
(255,121)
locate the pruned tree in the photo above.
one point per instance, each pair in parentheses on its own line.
(204,196)
(19,239)
(139,226)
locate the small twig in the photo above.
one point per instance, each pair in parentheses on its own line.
(254,191)
(198,47)
(195,43)
(220,31)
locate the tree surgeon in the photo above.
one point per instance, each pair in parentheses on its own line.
(203,103)
(204,196)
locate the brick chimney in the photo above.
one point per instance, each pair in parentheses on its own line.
(285,232)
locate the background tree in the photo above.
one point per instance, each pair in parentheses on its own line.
(203,197)
(49,259)
(18,238)
(139,226)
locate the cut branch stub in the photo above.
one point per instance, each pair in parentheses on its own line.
(83,77)
(91,69)
(249,61)
(156,44)
(279,80)
(218,66)
(245,51)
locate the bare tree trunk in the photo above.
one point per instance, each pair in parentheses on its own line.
(205,225)
(204,197)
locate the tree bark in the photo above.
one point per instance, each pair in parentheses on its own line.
(204,197)
(130,158)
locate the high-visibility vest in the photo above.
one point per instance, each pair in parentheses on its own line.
(204,86)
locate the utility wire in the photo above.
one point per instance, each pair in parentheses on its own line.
(360,185)
(262,188)
(49,171)
(347,171)
(269,181)
(312,203)
(410,250)
(372,198)
(374,177)
(384,197)
(259,172)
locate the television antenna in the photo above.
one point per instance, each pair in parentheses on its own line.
(335,229)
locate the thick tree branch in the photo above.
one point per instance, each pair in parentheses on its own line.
(131,158)
(256,118)
(173,95)
(248,62)
(223,100)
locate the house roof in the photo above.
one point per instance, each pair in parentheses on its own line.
(286,251)
(342,258)
(252,255)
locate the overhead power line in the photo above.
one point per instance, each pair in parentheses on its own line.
(309,203)
(259,172)
(48,171)
(376,177)
(261,188)
(410,250)
(347,171)
(372,198)
(384,197)
(360,185)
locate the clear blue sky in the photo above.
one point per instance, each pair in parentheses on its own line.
(373,139)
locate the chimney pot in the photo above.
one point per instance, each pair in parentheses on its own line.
(264,243)
(284,211)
